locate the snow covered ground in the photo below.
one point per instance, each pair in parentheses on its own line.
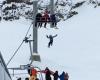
(76,49)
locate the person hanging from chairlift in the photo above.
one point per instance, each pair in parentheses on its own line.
(51,40)
(45,18)
(53,20)
(38,22)
(46,11)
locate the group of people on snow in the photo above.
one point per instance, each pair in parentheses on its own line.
(48,73)
(45,18)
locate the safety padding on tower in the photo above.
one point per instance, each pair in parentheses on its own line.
(35,57)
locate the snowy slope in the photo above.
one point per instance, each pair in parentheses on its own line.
(75,50)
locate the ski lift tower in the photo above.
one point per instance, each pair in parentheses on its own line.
(51,9)
(35,56)
(51,6)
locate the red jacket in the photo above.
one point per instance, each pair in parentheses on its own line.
(45,17)
(34,72)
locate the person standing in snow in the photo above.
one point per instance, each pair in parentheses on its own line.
(62,76)
(66,76)
(47,73)
(33,74)
(55,75)
(51,39)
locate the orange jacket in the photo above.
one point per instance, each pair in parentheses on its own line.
(34,72)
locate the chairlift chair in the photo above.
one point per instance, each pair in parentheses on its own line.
(43,20)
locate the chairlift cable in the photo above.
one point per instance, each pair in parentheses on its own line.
(19,74)
(15,53)
(18,47)
(28,30)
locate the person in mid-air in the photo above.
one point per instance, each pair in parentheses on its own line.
(51,40)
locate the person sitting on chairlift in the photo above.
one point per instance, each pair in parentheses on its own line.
(38,22)
(45,18)
(66,76)
(53,20)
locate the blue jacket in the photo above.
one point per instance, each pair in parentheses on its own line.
(62,76)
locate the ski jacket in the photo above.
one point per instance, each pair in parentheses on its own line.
(34,72)
(66,76)
(38,17)
(53,17)
(45,17)
(62,76)
(56,76)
